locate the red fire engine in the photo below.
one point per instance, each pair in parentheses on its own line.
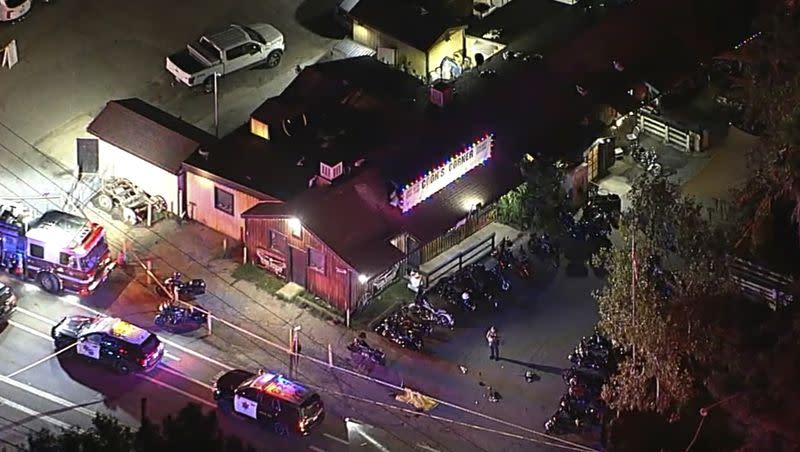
(60,251)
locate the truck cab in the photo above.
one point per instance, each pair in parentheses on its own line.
(225,51)
(60,251)
(270,399)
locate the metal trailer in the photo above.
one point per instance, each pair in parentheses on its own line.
(135,204)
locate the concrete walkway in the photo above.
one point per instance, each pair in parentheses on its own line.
(500,232)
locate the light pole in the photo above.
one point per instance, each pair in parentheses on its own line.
(216,105)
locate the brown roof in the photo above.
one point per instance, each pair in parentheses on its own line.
(356,220)
(148,133)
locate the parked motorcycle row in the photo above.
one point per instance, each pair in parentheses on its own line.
(582,406)
(172,313)
(647,159)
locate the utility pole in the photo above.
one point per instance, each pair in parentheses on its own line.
(633,287)
(216,105)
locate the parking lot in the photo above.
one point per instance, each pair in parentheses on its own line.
(75,56)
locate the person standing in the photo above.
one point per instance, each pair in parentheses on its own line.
(494,343)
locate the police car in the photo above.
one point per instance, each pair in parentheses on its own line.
(270,399)
(116,343)
(8,301)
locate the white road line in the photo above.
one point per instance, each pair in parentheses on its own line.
(33,413)
(30,330)
(316,449)
(36,316)
(166,341)
(336,438)
(184,376)
(46,395)
(170,355)
(426,447)
(178,390)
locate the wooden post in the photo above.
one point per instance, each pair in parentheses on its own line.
(149,215)
(180,203)
(244,255)
(330,356)
(225,246)
(208,322)
(347,317)
(149,266)
(289,344)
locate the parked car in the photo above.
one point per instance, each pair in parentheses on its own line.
(226,51)
(109,341)
(270,399)
(8,301)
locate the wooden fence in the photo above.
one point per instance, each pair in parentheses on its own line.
(451,238)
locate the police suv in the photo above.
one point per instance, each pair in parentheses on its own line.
(113,342)
(270,399)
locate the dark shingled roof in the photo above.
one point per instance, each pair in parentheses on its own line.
(148,133)
(403,20)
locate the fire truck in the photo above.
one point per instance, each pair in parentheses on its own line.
(60,251)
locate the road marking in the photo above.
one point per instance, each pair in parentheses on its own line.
(33,413)
(35,316)
(169,370)
(178,390)
(336,438)
(316,449)
(166,341)
(426,447)
(30,330)
(39,361)
(47,396)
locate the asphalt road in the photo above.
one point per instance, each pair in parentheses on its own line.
(66,390)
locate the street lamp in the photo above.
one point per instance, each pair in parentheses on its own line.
(295,226)
(363,278)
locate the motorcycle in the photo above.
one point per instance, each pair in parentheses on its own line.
(187,290)
(423,309)
(562,423)
(398,331)
(174,314)
(365,351)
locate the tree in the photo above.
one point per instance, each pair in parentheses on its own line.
(771,94)
(652,291)
(190,429)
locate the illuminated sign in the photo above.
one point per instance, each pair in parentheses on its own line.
(437,178)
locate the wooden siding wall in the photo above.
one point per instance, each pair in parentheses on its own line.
(332,286)
(200,206)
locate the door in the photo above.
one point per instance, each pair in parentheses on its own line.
(245,402)
(299,264)
(242,56)
(89,346)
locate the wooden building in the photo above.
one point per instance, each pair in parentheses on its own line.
(147,146)
(422,40)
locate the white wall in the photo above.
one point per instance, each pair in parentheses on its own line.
(114,161)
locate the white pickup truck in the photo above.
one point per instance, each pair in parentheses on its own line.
(229,50)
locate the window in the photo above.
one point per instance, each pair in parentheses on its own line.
(223,200)
(259,129)
(278,242)
(316,260)
(37,251)
(254,35)
(63,258)
(237,52)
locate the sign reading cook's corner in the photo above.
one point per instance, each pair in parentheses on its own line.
(437,178)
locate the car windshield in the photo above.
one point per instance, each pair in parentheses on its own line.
(92,259)
(150,344)
(311,407)
(254,35)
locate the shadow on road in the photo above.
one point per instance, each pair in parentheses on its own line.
(318,16)
(542,368)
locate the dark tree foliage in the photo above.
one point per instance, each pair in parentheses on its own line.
(771,95)
(653,290)
(190,429)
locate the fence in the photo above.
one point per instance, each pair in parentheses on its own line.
(474,253)
(472,224)
(679,138)
(761,283)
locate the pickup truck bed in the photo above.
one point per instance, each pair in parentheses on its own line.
(186,62)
